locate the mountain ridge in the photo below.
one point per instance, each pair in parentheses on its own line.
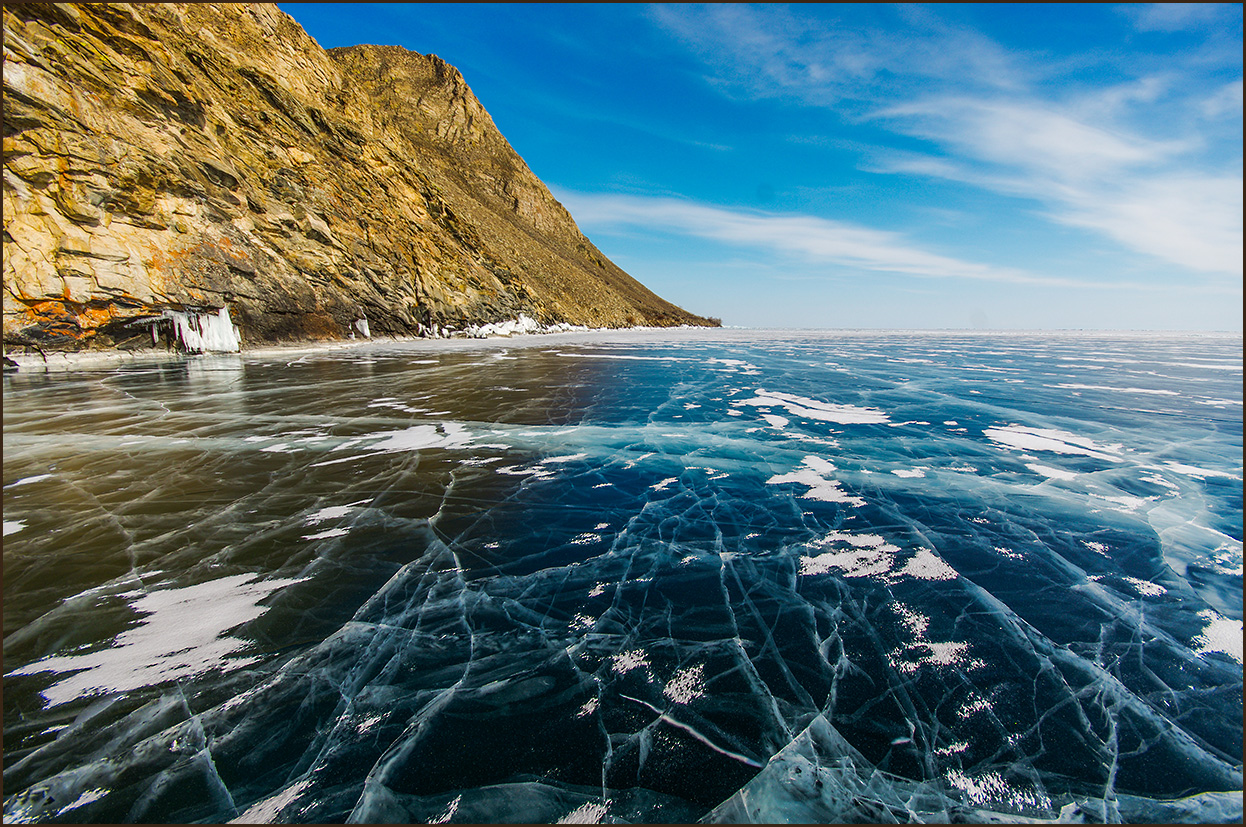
(181,158)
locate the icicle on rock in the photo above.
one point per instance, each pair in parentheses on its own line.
(200,332)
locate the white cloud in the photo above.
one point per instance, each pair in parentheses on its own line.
(1152,163)
(772,51)
(1122,185)
(1227,100)
(807,237)
(1194,221)
(1173,17)
(1025,134)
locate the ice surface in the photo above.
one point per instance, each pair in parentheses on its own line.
(637,577)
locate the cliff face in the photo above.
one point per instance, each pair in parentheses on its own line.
(182,157)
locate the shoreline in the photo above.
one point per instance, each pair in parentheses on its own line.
(59,361)
(68,360)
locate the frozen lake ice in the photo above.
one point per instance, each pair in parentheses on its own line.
(635,576)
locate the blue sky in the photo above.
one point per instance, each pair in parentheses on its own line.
(874,166)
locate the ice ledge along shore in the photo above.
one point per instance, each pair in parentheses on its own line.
(56,361)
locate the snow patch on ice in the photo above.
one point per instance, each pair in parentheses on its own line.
(327,533)
(952,749)
(28,480)
(814,409)
(869,555)
(1209,365)
(1220,635)
(268,811)
(625,662)
(93,794)
(926,565)
(1050,439)
(687,685)
(181,635)
(331,512)
(589,812)
(990,789)
(442,435)
(1130,503)
(451,809)
(1195,471)
(447,435)
(1051,473)
(395,405)
(815,475)
(565,458)
(1145,587)
(909,658)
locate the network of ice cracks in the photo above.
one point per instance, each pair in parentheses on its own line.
(659,579)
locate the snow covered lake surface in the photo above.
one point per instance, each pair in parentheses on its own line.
(640,576)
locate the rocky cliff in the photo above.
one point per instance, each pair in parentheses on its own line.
(168,160)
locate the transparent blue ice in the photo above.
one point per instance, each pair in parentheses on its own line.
(641,576)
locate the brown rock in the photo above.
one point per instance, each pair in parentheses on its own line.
(168,156)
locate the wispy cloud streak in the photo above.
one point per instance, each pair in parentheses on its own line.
(807,238)
(1153,164)
(1127,187)
(774,51)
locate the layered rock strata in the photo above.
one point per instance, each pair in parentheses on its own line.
(171,159)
